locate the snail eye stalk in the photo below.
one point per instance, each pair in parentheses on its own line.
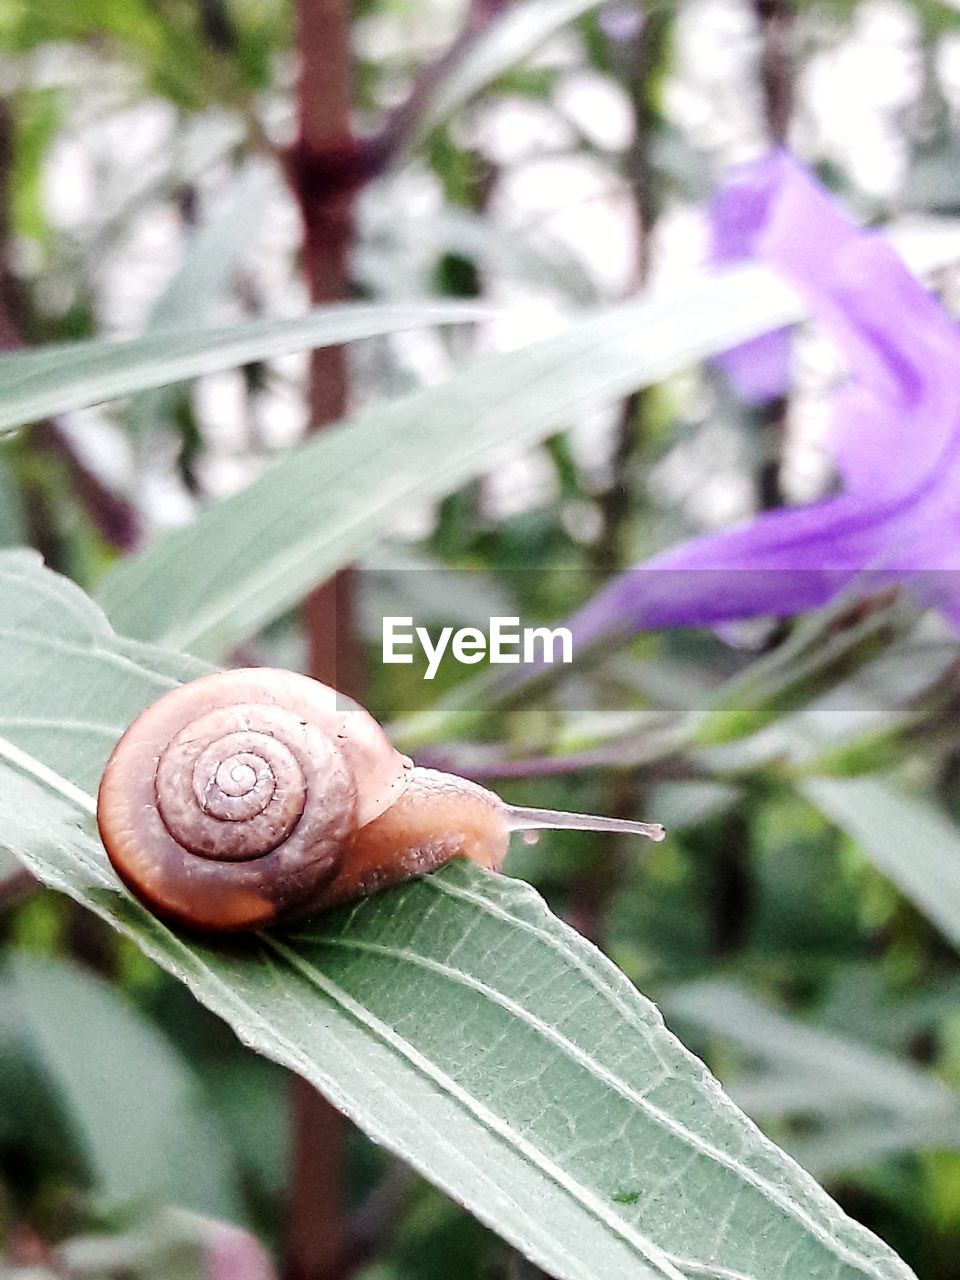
(522,819)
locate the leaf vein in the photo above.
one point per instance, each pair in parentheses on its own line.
(645,1248)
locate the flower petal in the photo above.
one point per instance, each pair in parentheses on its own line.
(901,348)
(896,434)
(782,563)
(760,369)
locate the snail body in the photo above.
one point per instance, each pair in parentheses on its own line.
(253,796)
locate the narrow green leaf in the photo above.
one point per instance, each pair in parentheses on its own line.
(394,255)
(210,585)
(838,1072)
(12,515)
(904,836)
(140,1114)
(210,262)
(855,1143)
(52,638)
(456,1020)
(207,587)
(510,40)
(214,251)
(34,384)
(869,1103)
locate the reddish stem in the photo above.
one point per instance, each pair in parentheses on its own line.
(326,167)
(324,175)
(775,19)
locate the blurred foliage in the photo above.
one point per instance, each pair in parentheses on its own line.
(128,137)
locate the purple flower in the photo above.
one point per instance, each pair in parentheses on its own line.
(895,437)
(759,369)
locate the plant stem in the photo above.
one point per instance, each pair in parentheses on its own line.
(775,19)
(404,123)
(325,171)
(326,167)
(116,519)
(16,886)
(641,59)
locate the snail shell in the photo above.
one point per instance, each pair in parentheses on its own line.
(226,804)
(257,795)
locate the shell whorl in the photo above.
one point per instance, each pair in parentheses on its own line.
(240,781)
(229,802)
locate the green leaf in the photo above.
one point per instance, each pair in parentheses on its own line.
(904,836)
(57,702)
(394,255)
(34,384)
(128,1092)
(12,514)
(214,251)
(868,1103)
(454,1019)
(9,866)
(247,559)
(826,1072)
(212,256)
(520,32)
(857,1143)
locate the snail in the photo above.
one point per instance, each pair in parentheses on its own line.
(256,795)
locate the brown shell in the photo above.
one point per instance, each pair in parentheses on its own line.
(233,800)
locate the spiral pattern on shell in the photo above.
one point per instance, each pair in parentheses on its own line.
(233,799)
